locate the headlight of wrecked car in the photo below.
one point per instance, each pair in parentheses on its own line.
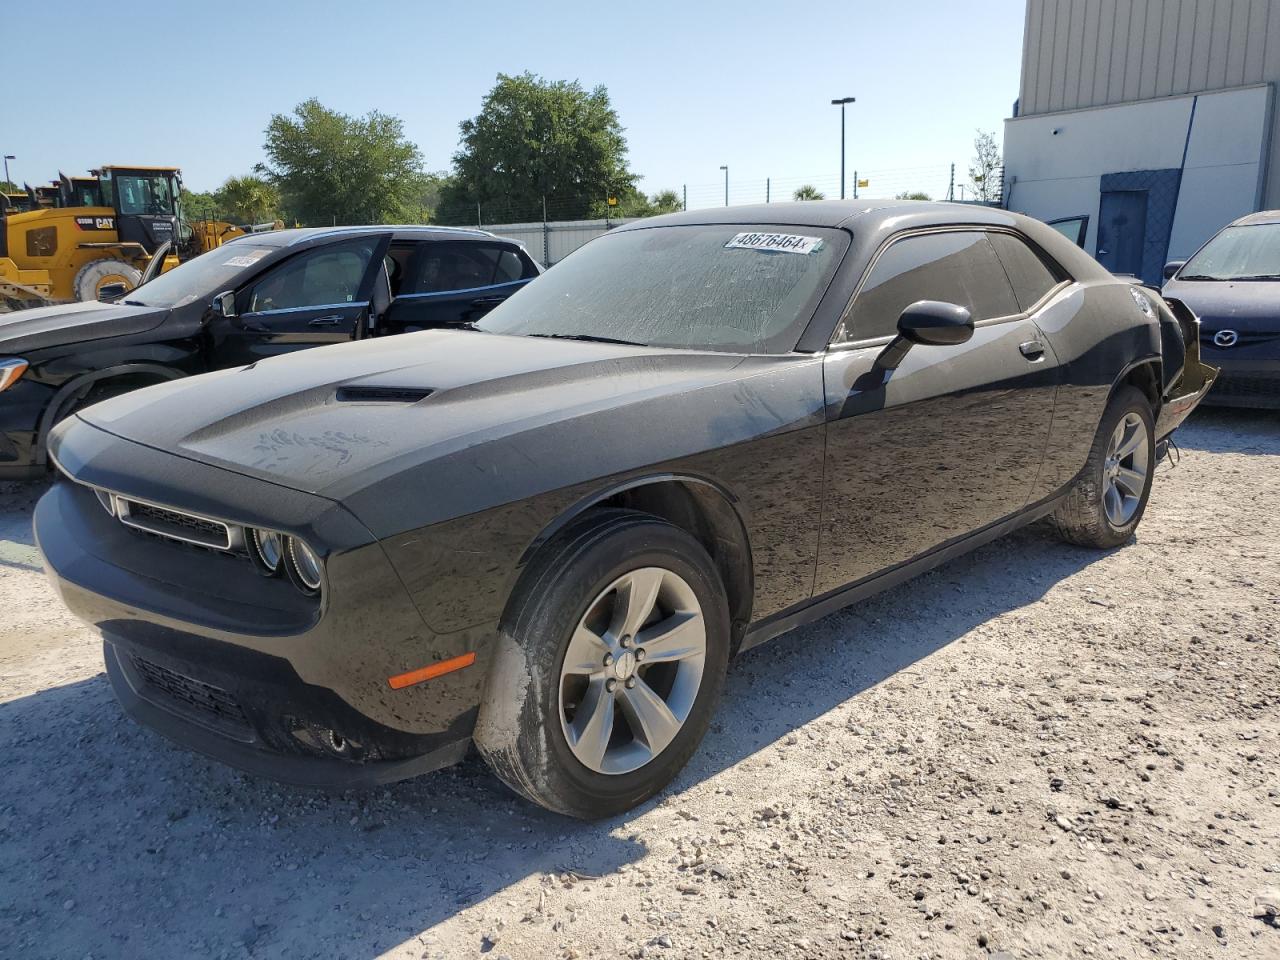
(11,371)
(275,553)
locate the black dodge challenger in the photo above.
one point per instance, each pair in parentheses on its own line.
(546,535)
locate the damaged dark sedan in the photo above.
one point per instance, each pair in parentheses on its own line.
(546,535)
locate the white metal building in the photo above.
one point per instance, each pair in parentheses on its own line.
(1152,118)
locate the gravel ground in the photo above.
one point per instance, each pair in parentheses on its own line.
(1034,751)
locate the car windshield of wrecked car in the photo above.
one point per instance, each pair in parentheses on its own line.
(1238,253)
(201,277)
(733,288)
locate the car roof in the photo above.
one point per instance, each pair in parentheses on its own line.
(830,213)
(300,234)
(1252,219)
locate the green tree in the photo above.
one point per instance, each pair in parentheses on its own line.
(8,186)
(248,199)
(984,177)
(199,205)
(913,195)
(808,192)
(535,139)
(333,168)
(634,203)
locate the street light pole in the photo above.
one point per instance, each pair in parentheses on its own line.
(841,104)
(7,158)
(726,184)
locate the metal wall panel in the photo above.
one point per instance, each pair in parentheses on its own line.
(1088,53)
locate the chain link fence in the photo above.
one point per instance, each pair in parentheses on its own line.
(550,235)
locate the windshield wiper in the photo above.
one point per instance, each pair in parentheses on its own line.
(1197,276)
(133,303)
(1259,276)
(588,338)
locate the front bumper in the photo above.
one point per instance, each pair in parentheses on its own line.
(211,720)
(1244,382)
(21,407)
(242,667)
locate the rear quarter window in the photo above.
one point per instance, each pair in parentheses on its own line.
(1029,275)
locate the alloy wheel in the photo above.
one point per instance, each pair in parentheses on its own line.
(1124,471)
(632,670)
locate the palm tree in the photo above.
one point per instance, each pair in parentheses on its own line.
(249,199)
(808,192)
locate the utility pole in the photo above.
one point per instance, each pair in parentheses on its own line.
(766,189)
(685,191)
(7,158)
(726,184)
(841,104)
(951,187)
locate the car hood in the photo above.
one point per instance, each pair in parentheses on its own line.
(35,329)
(332,420)
(1246,306)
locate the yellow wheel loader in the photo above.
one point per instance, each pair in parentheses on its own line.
(65,253)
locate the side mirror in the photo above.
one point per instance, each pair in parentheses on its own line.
(928,322)
(1172,267)
(111,292)
(224,304)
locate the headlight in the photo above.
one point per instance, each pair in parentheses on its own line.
(11,371)
(304,566)
(267,547)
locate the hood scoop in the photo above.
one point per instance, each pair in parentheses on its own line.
(374,394)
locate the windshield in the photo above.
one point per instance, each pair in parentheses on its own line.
(199,278)
(1238,253)
(145,194)
(738,289)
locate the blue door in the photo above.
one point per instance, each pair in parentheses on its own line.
(1122,230)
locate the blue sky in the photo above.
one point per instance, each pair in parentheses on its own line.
(696,85)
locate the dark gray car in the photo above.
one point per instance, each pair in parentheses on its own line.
(547,535)
(1232,284)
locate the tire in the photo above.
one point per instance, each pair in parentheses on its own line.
(535,702)
(1088,516)
(94,274)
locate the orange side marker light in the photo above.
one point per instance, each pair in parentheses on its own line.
(402,680)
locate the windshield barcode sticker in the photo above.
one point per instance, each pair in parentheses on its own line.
(247,259)
(774,242)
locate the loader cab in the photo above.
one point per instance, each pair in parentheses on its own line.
(80,192)
(146,203)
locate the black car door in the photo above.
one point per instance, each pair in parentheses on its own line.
(448,283)
(318,296)
(951,440)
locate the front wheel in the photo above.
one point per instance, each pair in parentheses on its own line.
(1107,501)
(609,665)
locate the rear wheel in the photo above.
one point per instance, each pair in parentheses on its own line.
(96,274)
(608,667)
(1108,499)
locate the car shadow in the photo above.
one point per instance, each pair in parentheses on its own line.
(97,813)
(1229,430)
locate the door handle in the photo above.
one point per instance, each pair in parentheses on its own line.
(332,321)
(1033,350)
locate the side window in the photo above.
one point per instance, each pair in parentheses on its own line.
(957,267)
(508,268)
(443,266)
(1073,228)
(330,275)
(1030,275)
